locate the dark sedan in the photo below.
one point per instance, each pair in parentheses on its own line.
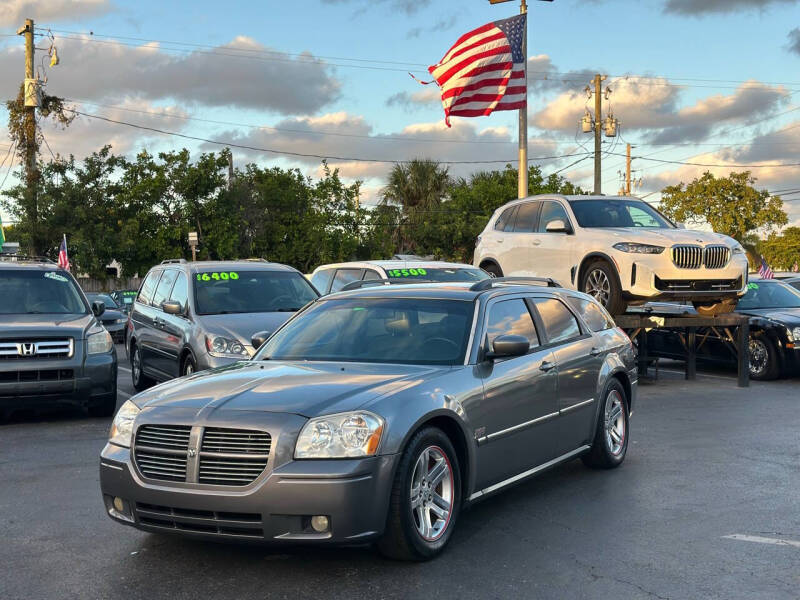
(113,319)
(376,414)
(124,299)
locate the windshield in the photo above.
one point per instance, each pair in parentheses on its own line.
(769,295)
(39,292)
(107,300)
(127,296)
(221,292)
(370,330)
(618,213)
(436,274)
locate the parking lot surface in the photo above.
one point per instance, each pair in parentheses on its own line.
(706,505)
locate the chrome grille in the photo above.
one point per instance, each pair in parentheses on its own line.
(233,456)
(161,451)
(687,257)
(22,349)
(716,257)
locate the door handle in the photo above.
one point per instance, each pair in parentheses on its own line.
(546,366)
(499,240)
(595,351)
(536,242)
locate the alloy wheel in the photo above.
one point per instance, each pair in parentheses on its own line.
(598,286)
(759,356)
(615,423)
(136,365)
(431,492)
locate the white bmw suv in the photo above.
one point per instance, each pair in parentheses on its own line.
(618,249)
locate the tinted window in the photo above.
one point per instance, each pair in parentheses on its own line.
(526,217)
(180,291)
(29,292)
(594,315)
(559,324)
(511,317)
(550,211)
(370,274)
(224,291)
(148,287)
(505,219)
(386,330)
(164,287)
(321,279)
(343,277)
(769,295)
(618,213)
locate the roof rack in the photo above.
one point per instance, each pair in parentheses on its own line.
(356,285)
(486,284)
(8,256)
(171,261)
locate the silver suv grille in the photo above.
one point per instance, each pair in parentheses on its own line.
(693,257)
(25,349)
(233,457)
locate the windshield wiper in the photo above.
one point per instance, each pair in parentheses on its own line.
(286,309)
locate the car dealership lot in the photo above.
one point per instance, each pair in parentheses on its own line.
(707,460)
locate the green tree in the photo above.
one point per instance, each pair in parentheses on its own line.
(782,251)
(731,205)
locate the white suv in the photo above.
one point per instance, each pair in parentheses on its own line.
(618,249)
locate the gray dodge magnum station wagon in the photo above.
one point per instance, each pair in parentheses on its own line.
(376,414)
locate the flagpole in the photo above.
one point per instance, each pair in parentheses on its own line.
(522,169)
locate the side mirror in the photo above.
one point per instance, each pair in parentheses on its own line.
(172,308)
(259,338)
(98,308)
(505,346)
(556,226)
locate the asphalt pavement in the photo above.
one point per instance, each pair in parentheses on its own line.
(706,505)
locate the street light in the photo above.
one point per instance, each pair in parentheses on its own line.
(193,244)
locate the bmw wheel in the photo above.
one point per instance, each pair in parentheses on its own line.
(425,500)
(600,281)
(611,435)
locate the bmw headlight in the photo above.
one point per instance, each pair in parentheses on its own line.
(99,343)
(343,435)
(223,347)
(122,425)
(638,248)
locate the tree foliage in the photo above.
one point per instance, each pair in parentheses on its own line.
(782,251)
(731,205)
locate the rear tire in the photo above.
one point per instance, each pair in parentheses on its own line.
(425,498)
(601,281)
(611,435)
(493,270)
(763,357)
(711,309)
(140,381)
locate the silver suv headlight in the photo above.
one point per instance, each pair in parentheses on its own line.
(638,248)
(99,343)
(343,435)
(223,347)
(122,425)
(793,334)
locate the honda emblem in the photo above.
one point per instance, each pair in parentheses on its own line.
(26,349)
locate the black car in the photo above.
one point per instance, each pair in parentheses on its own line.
(124,299)
(774,310)
(113,318)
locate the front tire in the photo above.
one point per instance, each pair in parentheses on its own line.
(600,280)
(493,270)
(611,435)
(763,357)
(425,499)
(189,366)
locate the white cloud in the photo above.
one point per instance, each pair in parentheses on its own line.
(14,12)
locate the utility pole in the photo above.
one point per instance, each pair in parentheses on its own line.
(598,124)
(29,88)
(230,170)
(628,171)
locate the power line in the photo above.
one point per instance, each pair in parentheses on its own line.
(695,164)
(10,165)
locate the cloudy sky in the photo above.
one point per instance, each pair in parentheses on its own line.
(711,82)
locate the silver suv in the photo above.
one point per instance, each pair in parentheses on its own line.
(194,316)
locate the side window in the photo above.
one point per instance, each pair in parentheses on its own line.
(551,211)
(511,317)
(148,287)
(526,217)
(343,277)
(505,219)
(593,314)
(180,291)
(321,279)
(559,324)
(370,274)
(164,287)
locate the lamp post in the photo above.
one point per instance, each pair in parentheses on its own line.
(193,244)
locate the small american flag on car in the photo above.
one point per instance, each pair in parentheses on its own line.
(764,271)
(484,71)
(63,258)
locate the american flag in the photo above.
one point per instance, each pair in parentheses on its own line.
(484,71)
(63,259)
(764,271)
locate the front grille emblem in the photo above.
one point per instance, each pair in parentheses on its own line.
(191,453)
(26,349)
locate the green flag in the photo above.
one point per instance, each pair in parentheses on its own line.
(2,236)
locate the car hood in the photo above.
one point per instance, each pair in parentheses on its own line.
(787,316)
(667,237)
(13,326)
(243,326)
(302,388)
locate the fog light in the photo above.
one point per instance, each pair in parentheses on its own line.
(319,523)
(119,504)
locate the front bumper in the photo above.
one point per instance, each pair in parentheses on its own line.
(276,507)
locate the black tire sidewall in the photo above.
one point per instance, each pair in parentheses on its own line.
(189,359)
(614,459)
(616,303)
(493,270)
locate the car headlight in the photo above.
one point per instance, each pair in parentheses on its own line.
(737,249)
(223,347)
(343,435)
(99,343)
(638,248)
(121,321)
(122,425)
(794,334)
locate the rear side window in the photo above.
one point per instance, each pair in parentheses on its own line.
(321,279)
(506,220)
(370,274)
(180,291)
(511,317)
(594,315)
(526,217)
(164,287)
(550,212)
(148,287)
(559,324)
(345,276)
